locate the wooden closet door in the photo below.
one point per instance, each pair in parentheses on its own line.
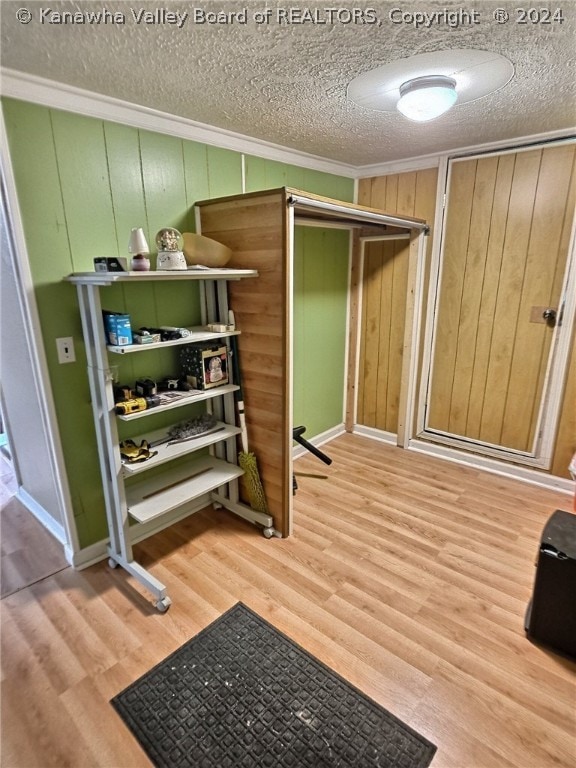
(505,247)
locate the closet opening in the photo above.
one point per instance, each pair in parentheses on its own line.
(272,231)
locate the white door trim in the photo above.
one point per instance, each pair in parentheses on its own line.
(32,346)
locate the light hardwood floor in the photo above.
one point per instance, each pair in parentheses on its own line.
(407,575)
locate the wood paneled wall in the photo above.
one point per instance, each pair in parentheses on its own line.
(414,194)
(384,283)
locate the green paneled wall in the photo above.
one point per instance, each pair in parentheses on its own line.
(320,302)
(82,184)
(269,174)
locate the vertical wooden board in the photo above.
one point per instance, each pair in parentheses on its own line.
(397,326)
(365,193)
(403,187)
(126,187)
(390,194)
(563,250)
(329,185)
(512,275)
(361,338)
(164,182)
(425,208)
(83,170)
(380,193)
(35,166)
(480,397)
(255,174)
(195,178)
(372,298)
(400,198)
(123,156)
(262,245)
(457,232)
(425,199)
(269,174)
(224,172)
(383,389)
(533,340)
(566,232)
(475,263)
(282,175)
(353,371)
(295,176)
(299,327)
(406,194)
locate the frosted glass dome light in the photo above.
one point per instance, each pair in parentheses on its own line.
(425,98)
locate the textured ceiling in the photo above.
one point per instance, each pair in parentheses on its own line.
(286,83)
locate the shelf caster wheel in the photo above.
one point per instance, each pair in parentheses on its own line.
(112,563)
(163,605)
(268,533)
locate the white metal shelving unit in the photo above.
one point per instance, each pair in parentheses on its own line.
(147,497)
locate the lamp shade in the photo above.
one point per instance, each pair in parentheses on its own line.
(137,242)
(425,98)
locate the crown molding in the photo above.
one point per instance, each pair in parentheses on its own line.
(433,161)
(49,93)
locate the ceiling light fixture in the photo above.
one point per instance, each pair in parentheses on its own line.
(458,76)
(425,98)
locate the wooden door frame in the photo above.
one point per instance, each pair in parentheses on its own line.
(411,340)
(540,457)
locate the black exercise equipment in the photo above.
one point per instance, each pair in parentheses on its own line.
(297,433)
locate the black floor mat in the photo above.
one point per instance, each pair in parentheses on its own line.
(242,695)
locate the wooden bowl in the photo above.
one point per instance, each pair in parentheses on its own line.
(205,251)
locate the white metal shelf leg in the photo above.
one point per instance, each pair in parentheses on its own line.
(100,380)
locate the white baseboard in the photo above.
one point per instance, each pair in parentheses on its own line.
(526,475)
(532,476)
(44,517)
(376,434)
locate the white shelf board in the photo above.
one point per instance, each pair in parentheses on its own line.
(186,399)
(167,452)
(152,497)
(108,278)
(197,334)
